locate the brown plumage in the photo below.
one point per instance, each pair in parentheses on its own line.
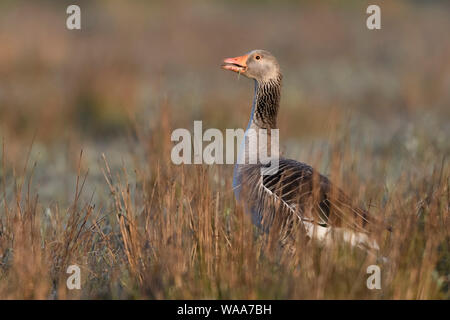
(295,191)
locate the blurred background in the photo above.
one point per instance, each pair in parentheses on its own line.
(138,70)
(74,90)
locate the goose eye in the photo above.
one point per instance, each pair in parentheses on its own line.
(258,57)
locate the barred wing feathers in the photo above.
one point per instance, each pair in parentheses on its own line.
(297,191)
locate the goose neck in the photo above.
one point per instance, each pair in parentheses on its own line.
(266,103)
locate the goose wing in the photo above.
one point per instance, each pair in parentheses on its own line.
(301,191)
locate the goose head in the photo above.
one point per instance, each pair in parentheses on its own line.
(259,65)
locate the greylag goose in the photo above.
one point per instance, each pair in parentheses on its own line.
(294,194)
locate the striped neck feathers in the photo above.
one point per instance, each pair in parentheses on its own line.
(266,102)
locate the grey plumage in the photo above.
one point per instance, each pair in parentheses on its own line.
(295,192)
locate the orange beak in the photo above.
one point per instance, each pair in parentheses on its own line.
(238,64)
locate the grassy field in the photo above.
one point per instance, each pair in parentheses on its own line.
(85,124)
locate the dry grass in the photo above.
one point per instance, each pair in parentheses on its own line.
(371,111)
(176,232)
